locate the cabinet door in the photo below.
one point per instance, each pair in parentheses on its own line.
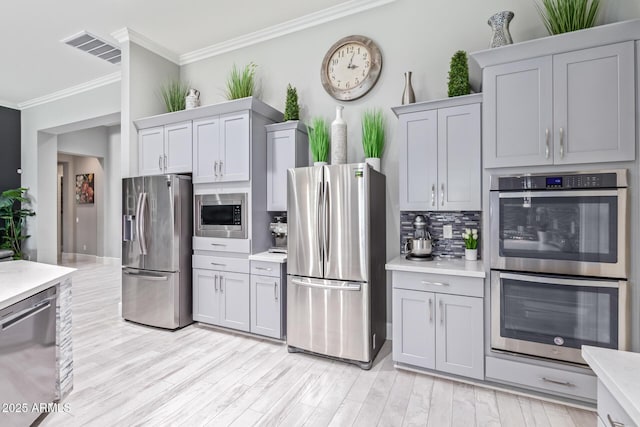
(234,147)
(281,155)
(177,148)
(151,151)
(414,328)
(266,306)
(594,104)
(459,168)
(459,336)
(205,296)
(517,113)
(234,301)
(418,160)
(206,147)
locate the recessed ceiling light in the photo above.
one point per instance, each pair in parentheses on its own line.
(89,43)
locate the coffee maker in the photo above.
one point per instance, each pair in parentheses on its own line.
(279,232)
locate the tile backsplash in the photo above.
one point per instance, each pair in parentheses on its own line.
(459,220)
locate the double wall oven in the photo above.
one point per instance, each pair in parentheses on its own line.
(559,254)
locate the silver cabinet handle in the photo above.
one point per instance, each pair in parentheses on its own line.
(215,168)
(221,174)
(561,143)
(275,291)
(433,194)
(424,282)
(221,288)
(215,282)
(218,244)
(160,162)
(558,382)
(441,313)
(430,310)
(614,423)
(217,263)
(165,161)
(546,138)
(263,268)
(442,194)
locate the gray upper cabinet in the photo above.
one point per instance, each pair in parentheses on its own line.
(151,151)
(165,149)
(287,147)
(206,145)
(567,108)
(439,154)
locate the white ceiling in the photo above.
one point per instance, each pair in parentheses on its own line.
(35,63)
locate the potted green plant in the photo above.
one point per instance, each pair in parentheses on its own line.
(373,137)
(563,16)
(174,94)
(319,141)
(291,108)
(459,75)
(241,83)
(471,240)
(12,218)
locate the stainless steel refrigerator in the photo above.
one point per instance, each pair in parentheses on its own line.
(157,224)
(336,283)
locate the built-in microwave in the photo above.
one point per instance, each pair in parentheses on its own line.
(221,215)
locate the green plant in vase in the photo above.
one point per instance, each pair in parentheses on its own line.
(459,75)
(12,220)
(241,82)
(174,95)
(291,108)
(319,140)
(373,137)
(563,16)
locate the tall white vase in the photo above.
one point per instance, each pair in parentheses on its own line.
(339,138)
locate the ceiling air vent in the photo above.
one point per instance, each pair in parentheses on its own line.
(95,46)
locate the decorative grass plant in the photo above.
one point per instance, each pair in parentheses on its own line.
(12,218)
(459,75)
(563,16)
(373,133)
(291,109)
(241,83)
(174,95)
(319,139)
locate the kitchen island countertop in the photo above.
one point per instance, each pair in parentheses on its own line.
(22,279)
(448,266)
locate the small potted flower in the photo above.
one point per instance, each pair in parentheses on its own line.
(470,244)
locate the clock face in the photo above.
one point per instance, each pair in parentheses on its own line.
(351,68)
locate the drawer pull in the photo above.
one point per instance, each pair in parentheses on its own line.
(263,268)
(424,282)
(218,263)
(552,381)
(218,244)
(614,423)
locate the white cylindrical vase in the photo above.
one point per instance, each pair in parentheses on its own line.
(374,162)
(471,254)
(339,138)
(319,163)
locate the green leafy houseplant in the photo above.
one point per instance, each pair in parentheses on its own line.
(373,133)
(241,83)
(174,95)
(563,16)
(319,139)
(459,75)
(12,218)
(291,109)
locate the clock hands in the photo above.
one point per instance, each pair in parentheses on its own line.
(351,66)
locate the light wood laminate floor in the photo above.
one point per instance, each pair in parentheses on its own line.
(127,374)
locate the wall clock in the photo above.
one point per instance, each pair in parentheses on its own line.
(351,68)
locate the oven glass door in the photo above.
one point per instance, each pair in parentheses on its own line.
(559,225)
(215,215)
(559,311)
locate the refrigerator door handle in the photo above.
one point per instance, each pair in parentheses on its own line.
(138,232)
(141,221)
(146,276)
(319,224)
(327,220)
(342,286)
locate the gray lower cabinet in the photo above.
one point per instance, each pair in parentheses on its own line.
(206,305)
(439,331)
(266,310)
(221,298)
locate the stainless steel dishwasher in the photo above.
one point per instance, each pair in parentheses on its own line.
(27,357)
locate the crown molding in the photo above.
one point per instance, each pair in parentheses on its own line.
(294,25)
(128,35)
(73,90)
(8,104)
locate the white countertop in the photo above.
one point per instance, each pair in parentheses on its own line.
(619,371)
(22,279)
(269,257)
(452,267)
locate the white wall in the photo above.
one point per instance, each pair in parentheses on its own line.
(39,158)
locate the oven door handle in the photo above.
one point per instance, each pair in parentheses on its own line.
(565,193)
(562,281)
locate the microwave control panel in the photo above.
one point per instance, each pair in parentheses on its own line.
(237,215)
(558,182)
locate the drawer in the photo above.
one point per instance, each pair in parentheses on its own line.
(542,378)
(441,283)
(610,411)
(242,246)
(220,263)
(264,268)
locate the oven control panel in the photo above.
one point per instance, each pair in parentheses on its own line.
(557,182)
